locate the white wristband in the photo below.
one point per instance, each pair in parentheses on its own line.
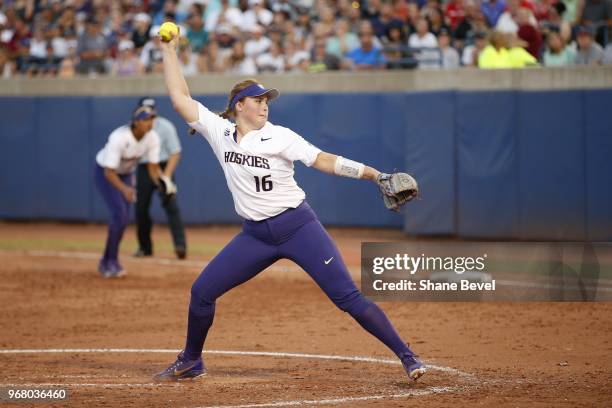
(348,168)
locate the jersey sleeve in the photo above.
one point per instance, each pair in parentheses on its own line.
(210,125)
(153,147)
(299,149)
(112,151)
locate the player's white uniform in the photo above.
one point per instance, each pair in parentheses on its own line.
(122,151)
(259,171)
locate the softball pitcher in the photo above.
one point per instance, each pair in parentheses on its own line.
(257,160)
(113,176)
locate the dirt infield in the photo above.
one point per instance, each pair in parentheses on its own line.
(482,354)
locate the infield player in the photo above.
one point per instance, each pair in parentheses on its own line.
(114,178)
(257,160)
(169,157)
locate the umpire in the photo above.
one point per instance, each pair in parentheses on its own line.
(169,156)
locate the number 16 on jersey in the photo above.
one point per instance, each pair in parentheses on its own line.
(264,183)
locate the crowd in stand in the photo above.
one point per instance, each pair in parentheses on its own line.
(246,37)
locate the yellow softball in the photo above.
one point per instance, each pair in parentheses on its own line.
(167,30)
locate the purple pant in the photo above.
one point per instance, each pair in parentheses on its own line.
(119,209)
(295,234)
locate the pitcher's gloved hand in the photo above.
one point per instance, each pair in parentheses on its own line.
(397,189)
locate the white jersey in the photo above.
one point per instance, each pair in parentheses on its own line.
(259,170)
(122,151)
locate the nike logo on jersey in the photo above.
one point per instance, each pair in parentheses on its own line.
(263,140)
(329,260)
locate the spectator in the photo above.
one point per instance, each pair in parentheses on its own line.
(257,14)
(91,50)
(528,32)
(436,21)
(588,52)
(67,68)
(422,38)
(225,39)
(196,34)
(543,9)
(372,9)
(385,21)
(225,15)
(296,59)
(320,60)
(495,55)
(469,57)
(508,21)
(450,56)
(557,53)
(272,61)
(327,21)
(140,33)
(151,54)
(556,23)
(474,22)
(17,44)
(37,53)
(7,67)
(238,63)
(455,12)
(400,10)
(492,10)
(303,26)
(258,44)
(168,9)
(188,61)
(343,42)
(366,56)
(598,15)
(209,60)
(127,63)
(571,14)
(425,44)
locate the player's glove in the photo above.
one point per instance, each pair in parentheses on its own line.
(397,189)
(167,189)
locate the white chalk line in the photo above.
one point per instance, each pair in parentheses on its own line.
(326,401)
(237,353)
(342,400)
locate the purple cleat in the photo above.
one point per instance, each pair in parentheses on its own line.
(114,269)
(413,366)
(103,268)
(182,369)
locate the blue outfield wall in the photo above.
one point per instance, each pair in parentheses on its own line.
(494,164)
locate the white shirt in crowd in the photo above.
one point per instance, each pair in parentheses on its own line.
(252,18)
(254,47)
(506,23)
(427,41)
(122,151)
(259,171)
(270,63)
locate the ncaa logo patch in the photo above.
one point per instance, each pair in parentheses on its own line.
(226,133)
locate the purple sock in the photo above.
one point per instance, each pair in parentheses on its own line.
(197,329)
(374,320)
